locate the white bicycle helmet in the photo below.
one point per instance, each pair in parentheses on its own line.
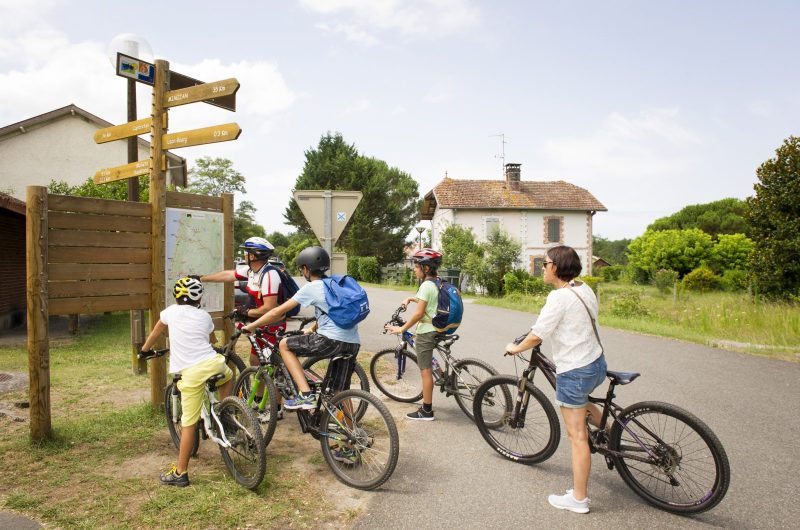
(190,289)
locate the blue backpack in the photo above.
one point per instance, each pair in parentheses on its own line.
(287,288)
(449,308)
(347,301)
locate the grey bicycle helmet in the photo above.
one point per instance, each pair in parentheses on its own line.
(315,258)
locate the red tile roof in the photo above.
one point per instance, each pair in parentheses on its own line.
(495,194)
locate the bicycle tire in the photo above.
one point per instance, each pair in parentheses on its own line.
(247,445)
(236,364)
(690,448)
(383,369)
(373,440)
(175,427)
(268,415)
(467,376)
(318,366)
(536,440)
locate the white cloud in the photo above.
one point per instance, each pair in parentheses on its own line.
(17,15)
(362,105)
(353,33)
(416,18)
(760,109)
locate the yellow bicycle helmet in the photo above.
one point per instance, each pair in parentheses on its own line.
(190,289)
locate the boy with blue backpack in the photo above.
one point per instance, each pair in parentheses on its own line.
(439,310)
(339,304)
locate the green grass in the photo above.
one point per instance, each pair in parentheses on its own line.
(100,467)
(729,320)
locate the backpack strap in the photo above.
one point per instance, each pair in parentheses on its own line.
(594,325)
(261,272)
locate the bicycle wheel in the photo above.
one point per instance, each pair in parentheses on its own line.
(319,366)
(688,470)
(246,458)
(173,411)
(527,438)
(398,378)
(362,453)
(256,388)
(468,374)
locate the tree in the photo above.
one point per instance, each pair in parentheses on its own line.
(244,224)
(774,218)
(214,176)
(726,216)
(488,264)
(458,242)
(731,253)
(389,207)
(117,190)
(613,251)
(678,250)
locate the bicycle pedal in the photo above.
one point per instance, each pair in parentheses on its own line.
(609,463)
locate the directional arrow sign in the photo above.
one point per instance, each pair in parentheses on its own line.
(206,135)
(341,208)
(126,130)
(134,169)
(192,94)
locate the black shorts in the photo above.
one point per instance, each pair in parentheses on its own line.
(321,347)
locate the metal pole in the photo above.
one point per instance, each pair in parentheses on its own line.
(136,315)
(327,242)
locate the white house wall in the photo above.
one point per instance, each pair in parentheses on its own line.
(526,226)
(63,149)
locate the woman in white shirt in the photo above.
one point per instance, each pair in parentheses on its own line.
(567,322)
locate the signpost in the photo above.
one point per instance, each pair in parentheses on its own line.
(134,169)
(328,212)
(203,92)
(206,135)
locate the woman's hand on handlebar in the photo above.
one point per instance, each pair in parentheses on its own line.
(394,330)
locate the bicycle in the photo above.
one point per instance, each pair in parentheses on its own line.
(460,377)
(256,385)
(665,454)
(229,423)
(357,434)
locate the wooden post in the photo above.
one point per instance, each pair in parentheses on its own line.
(158,202)
(227,247)
(38,339)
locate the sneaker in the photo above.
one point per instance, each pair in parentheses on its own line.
(172,478)
(568,502)
(279,415)
(346,455)
(420,414)
(301,402)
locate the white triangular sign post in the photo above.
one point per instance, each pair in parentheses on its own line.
(327,212)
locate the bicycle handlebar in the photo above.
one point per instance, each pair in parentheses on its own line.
(151,354)
(395,320)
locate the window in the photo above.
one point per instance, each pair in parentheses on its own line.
(537,266)
(553,229)
(492,226)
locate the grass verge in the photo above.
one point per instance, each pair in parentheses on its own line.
(100,468)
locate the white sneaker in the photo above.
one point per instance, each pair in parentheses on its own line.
(568,502)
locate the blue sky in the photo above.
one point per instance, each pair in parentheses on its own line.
(650,105)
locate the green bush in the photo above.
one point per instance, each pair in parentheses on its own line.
(702,279)
(734,280)
(627,304)
(368,269)
(353,263)
(611,273)
(665,279)
(636,275)
(519,281)
(591,281)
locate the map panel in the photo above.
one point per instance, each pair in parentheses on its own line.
(195,243)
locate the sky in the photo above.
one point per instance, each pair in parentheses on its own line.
(649,105)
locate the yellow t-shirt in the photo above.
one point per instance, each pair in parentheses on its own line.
(427,292)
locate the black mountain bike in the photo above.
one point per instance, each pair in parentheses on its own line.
(357,433)
(665,454)
(396,373)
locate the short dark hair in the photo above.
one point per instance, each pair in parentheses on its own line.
(567,263)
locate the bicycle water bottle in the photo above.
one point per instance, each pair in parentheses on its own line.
(438,373)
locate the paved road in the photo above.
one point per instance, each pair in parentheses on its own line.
(448,477)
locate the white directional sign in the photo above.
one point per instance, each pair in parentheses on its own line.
(327,212)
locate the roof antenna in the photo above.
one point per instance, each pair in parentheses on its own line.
(502,155)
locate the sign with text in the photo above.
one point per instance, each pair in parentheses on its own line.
(178,81)
(126,130)
(134,169)
(192,94)
(206,135)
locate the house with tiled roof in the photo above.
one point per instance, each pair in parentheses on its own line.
(538,214)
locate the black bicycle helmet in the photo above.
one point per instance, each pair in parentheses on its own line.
(315,258)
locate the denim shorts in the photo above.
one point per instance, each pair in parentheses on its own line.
(573,387)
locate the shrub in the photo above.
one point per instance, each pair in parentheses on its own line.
(734,280)
(702,279)
(611,273)
(353,263)
(591,281)
(636,275)
(368,269)
(665,279)
(628,304)
(519,281)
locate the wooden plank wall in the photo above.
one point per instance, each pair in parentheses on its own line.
(98,255)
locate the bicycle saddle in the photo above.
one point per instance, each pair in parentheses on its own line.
(446,339)
(622,378)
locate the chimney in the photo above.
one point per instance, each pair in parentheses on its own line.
(513,173)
